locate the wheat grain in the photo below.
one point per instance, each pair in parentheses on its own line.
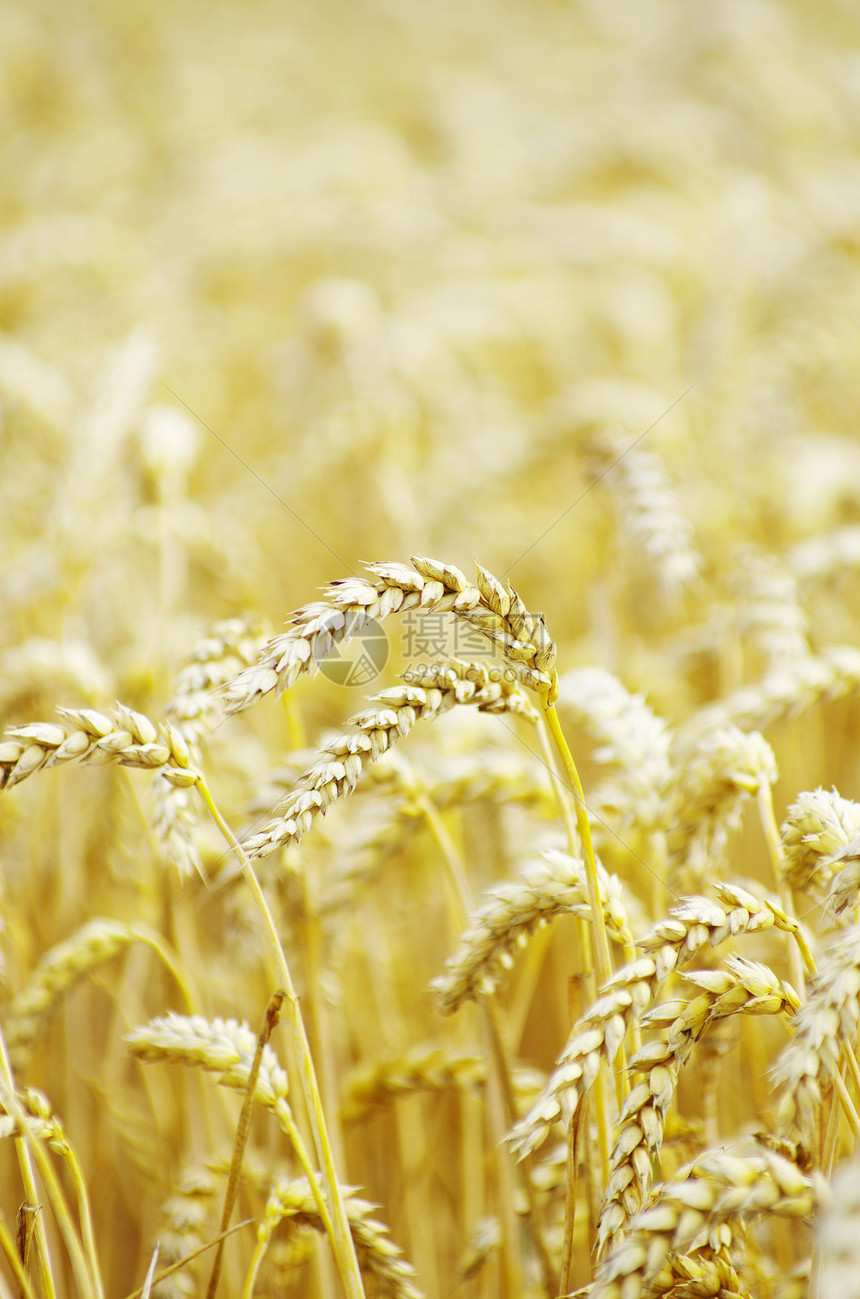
(694,924)
(826,1024)
(351,604)
(817,837)
(393,1276)
(227,648)
(770,618)
(630,737)
(745,987)
(551,886)
(713,782)
(430,1067)
(716,1188)
(187,1217)
(650,518)
(371,734)
(220,1046)
(126,737)
(425,1067)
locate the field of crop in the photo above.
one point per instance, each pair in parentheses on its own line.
(449,412)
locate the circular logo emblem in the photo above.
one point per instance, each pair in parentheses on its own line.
(356,660)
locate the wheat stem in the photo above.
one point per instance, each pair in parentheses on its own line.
(28,1178)
(598,925)
(764,800)
(604,966)
(13,1258)
(87,1283)
(341,1238)
(464,902)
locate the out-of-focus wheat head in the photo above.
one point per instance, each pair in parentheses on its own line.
(287,296)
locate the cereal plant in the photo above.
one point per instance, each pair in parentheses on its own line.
(377,920)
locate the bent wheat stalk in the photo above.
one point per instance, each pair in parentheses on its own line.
(351,604)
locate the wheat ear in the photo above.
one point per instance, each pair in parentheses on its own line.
(630,738)
(194,711)
(126,737)
(713,781)
(649,513)
(744,988)
(349,605)
(827,1027)
(184,1229)
(716,1188)
(428,1066)
(694,924)
(227,1048)
(770,617)
(819,846)
(553,885)
(64,965)
(785,691)
(372,732)
(294,1202)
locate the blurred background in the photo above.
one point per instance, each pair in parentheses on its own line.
(352,281)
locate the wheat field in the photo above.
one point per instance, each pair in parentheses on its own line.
(449,412)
